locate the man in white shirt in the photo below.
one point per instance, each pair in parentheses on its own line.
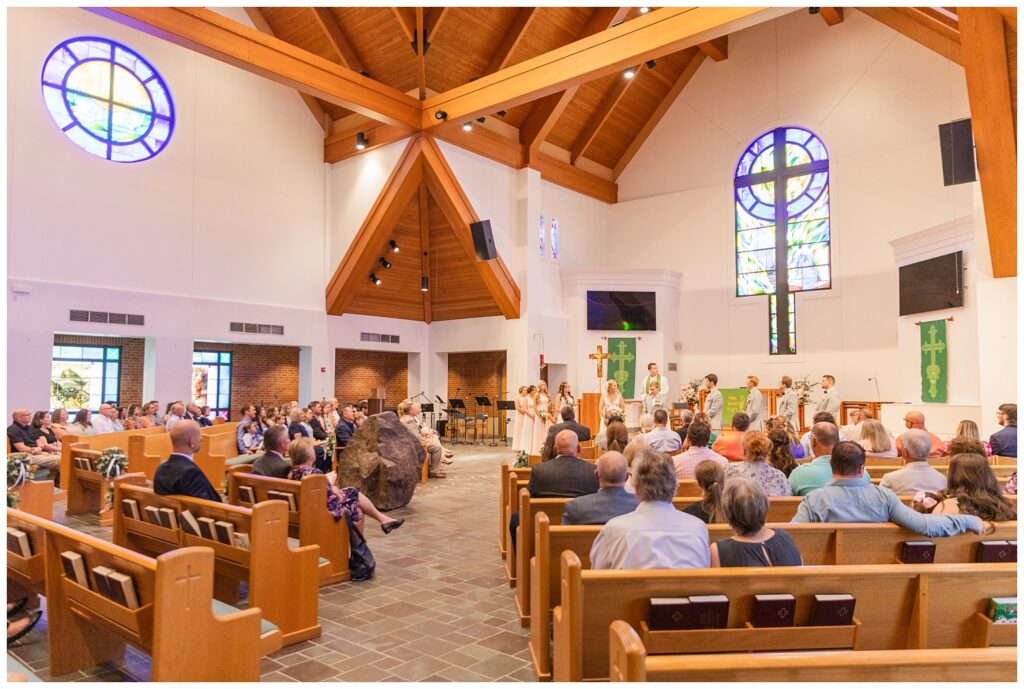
(661,438)
(653,377)
(655,399)
(656,535)
(713,402)
(176,416)
(104,421)
(830,400)
(917,474)
(755,404)
(852,430)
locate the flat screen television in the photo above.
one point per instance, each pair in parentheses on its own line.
(621,311)
(932,285)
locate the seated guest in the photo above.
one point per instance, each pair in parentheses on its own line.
(711,478)
(42,429)
(194,413)
(347,426)
(646,424)
(661,438)
(816,473)
(611,498)
(847,498)
(272,462)
(695,451)
(915,419)
(133,417)
(686,416)
(615,437)
(781,456)
(1004,442)
(341,502)
(106,421)
(857,417)
(730,443)
(969,429)
(82,424)
(314,420)
(569,422)
(756,449)
(176,416)
(23,438)
(706,420)
(204,416)
(820,417)
(298,427)
(655,535)
(973,489)
(917,474)
(361,412)
(965,446)
(876,441)
(408,412)
(630,453)
(248,413)
(59,422)
(752,544)
(178,474)
(151,414)
(781,422)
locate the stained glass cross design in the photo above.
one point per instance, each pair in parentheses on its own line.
(791,232)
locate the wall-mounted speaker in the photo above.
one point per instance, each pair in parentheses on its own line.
(483,240)
(956,140)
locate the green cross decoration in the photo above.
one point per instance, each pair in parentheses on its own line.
(934,361)
(622,365)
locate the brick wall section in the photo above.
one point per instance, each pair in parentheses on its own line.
(133,354)
(357,371)
(260,374)
(476,373)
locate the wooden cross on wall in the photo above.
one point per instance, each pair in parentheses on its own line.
(600,356)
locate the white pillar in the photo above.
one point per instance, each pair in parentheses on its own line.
(29,362)
(167,371)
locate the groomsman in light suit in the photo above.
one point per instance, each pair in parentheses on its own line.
(830,400)
(788,405)
(755,404)
(655,399)
(713,402)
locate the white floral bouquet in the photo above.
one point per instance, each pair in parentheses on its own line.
(542,412)
(803,389)
(19,470)
(112,462)
(612,412)
(691,393)
(522,460)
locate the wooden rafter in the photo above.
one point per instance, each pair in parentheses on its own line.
(571,177)
(421,54)
(229,41)
(717,49)
(483,142)
(691,68)
(337,38)
(322,119)
(832,15)
(924,28)
(342,143)
(513,37)
(658,33)
(995,138)
(597,120)
(424,213)
(435,16)
(406,17)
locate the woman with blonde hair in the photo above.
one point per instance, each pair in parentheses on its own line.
(646,423)
(611,398)
(969,429)
(756,450)
(875,440)
(711,479)
(544,419)
(781,422)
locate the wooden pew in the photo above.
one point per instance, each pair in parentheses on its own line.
(283,581)
(629,662)
(819,544)
(1002,471)
(90,488)
(506,501)
(312,524)
(30,571)
(146,452)
(36,498)
(215,449)
(898,606)
(82,489)
(189,635)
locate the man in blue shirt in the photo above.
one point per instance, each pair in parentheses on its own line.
(815,474)
(1004,442)
(847,498)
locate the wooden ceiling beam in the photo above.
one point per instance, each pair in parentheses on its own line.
(435,16)
(337,38)
(661,32)
(513,37)
(364,250)
(342,143)
(406,17)
(421,54)
(424,213)
(995,138)
(483,142)
(920,28)
(717,49)
(565,175)
(597,120)
(832,15)
(677,88)
(229,41)
(321,117)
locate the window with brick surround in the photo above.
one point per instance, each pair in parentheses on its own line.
(84,377)
(211,382)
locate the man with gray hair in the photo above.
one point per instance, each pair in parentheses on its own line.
(686,416)
(106,421)
(176,416)
(655,535)
(817,473)
(611,498)
(272,462)
(917,474)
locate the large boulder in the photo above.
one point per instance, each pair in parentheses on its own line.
(383,460)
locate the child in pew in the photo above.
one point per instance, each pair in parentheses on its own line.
(971,488)
(346,501)
(252,439)
(753,544)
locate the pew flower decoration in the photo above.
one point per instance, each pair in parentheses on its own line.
(691,393)
(112,463)
(803,389)
(329,445)
(522,460)
(19,470)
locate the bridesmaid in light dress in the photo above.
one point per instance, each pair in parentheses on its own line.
(542,400)
(529,419)
(517,426)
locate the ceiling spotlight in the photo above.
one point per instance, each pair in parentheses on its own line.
(361,141)
(502,113)
(651,64)
(424,284)
(384,262)
(440,115)
(645,10)
(394,246)
(629,73)
(467,126)
(374,279)
(813,10)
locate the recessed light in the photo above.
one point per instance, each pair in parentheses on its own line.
(467,126)
(629,73)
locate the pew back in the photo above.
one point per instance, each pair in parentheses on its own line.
(83,492)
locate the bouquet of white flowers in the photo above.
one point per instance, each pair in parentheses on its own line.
(803,389)
(19,470)
(542,412)
(112,462)
(613,412)
(691,393)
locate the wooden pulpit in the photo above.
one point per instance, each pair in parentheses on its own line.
(590,411)
(375,402)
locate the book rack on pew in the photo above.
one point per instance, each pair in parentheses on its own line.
(750,638)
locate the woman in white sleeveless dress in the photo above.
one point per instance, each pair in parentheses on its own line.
(611,398)
(542,401)
(529,418)
(565,399)
(517,426)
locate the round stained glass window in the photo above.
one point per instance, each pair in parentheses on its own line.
(108,99)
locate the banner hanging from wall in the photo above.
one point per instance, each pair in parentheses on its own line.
(622,364)
(934,361)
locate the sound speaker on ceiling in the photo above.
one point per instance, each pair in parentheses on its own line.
(956,140)
(483,240)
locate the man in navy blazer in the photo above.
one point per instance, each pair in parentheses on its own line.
(610,500)
(178,474)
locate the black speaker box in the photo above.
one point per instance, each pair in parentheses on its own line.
(483,240)
(957,142)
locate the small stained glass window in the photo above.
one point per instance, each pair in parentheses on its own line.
(554,238)
(543,232)
(108,99)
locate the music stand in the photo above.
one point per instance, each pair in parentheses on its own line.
(679,406)
(481,401)
(456,408)
(505,406)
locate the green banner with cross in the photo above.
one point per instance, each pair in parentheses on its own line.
(934,361)
(622,364)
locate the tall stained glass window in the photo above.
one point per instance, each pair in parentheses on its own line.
(554,238)
(108,99)
(542,232)
(83,377)
(772,230)
(211,382)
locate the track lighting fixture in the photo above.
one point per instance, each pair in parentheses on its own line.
(374,279)
(651,64)
(813,10)
(384,262)
(440,115)
(394,246)
(361,141)
(481,120)
(424,284)
(645,10)
(467,126)
(629,73)
(502,113)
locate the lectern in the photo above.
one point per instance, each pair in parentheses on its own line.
(375,401)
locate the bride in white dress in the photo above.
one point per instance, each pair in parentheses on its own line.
(529,418)
(611,398)
(542,400)
(517,427)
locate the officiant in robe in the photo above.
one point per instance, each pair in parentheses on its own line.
(653,377)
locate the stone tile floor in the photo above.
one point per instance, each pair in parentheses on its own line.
(438,609)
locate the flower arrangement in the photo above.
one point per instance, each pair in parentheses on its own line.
(691,393)
(112,463)
(803,389)
(522,460)
(612,412)
(542,412)
(19,470)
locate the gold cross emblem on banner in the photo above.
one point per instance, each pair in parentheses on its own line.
(600,356)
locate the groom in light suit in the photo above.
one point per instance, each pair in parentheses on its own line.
(713,402)
(755,404)
(830,401)
(788,405)
(655,399)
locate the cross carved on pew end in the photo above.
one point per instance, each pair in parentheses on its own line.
(188,579)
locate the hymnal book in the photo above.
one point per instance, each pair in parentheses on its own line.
(1003,610)
(130,508)
(168,518)
(225,532)
(122,590)
(246,494)
(668,613)
(774,610)
(18,542)
(995,551)
(206,528)
(709,612)
(242,541)
(101,576)
(282,495)
(189,523)
(917,553)
(832,610)
(153,514)
(1013,550)
(83,463)
(74,567)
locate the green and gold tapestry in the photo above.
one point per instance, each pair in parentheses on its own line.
(934,361)
(622,364)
